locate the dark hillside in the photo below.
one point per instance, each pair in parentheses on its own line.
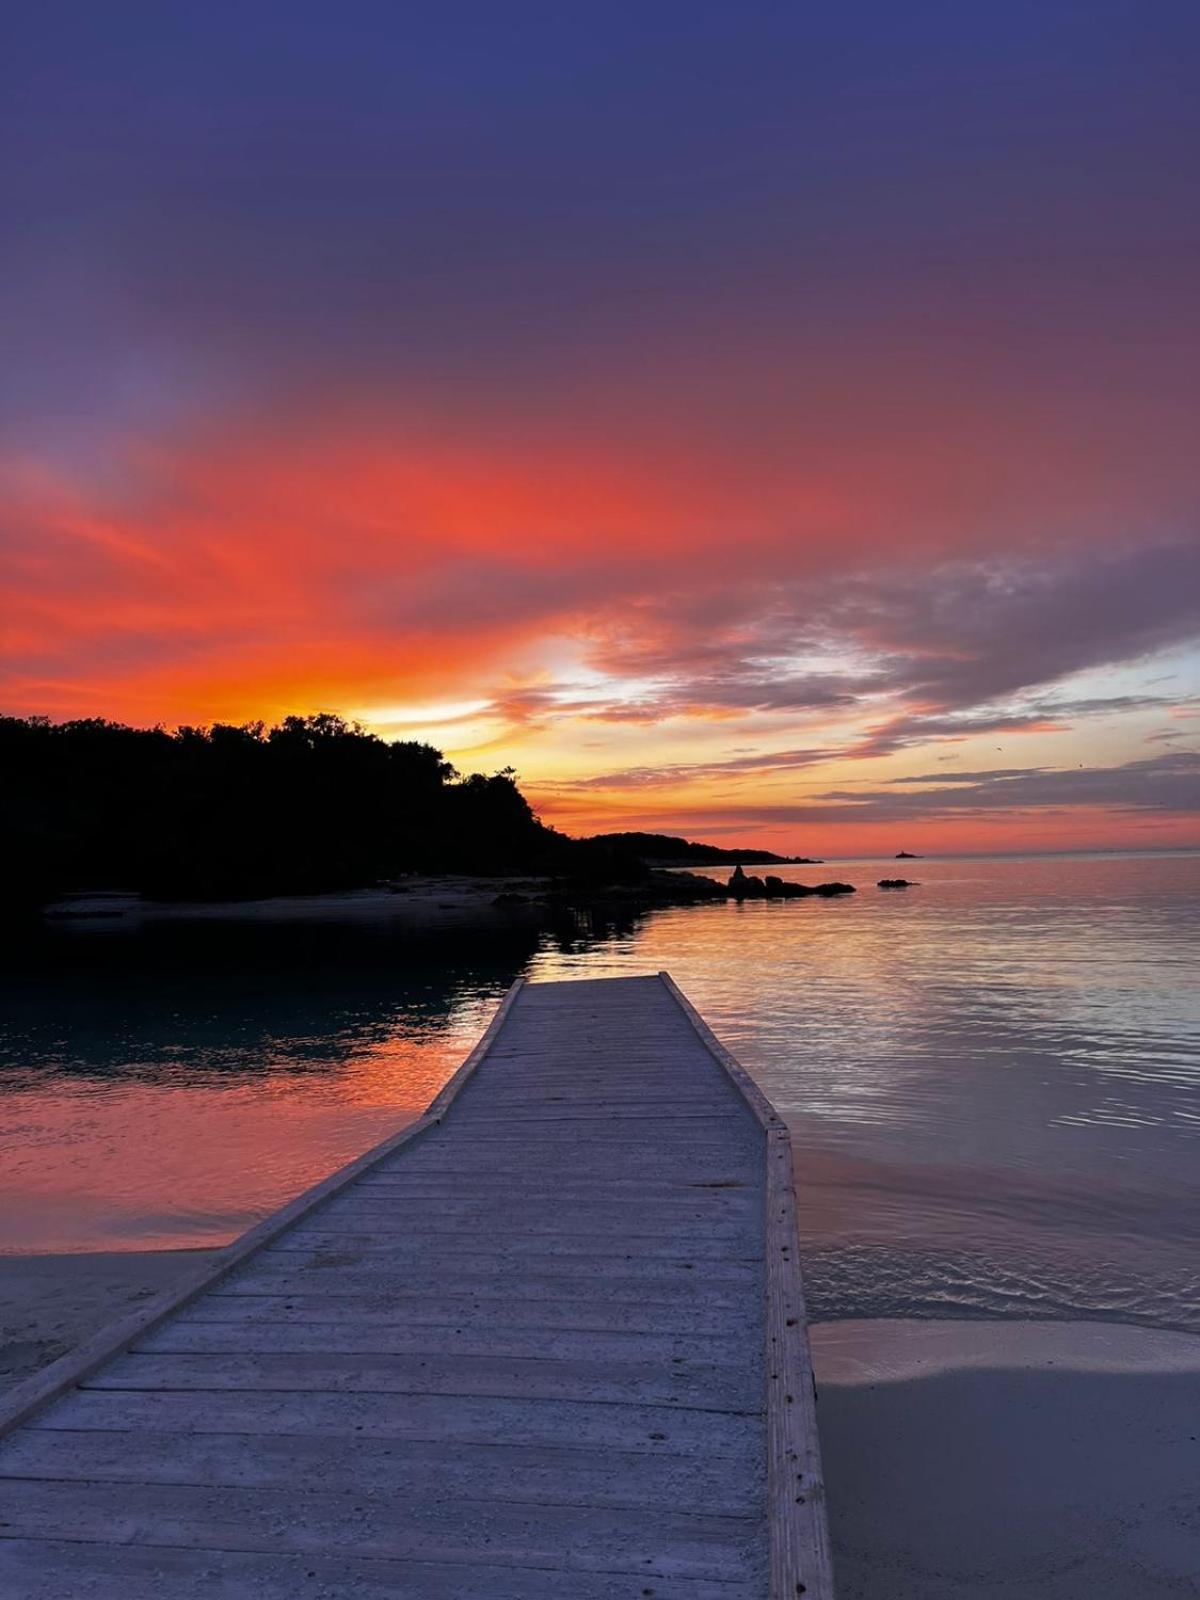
(664,849)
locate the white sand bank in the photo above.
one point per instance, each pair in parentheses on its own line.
(1010,1460)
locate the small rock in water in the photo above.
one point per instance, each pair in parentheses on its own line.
(896,883)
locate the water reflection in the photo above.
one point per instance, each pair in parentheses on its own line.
(993,1079)
(169,1088)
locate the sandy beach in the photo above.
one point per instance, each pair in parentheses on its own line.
(988,1460)
(964,1460)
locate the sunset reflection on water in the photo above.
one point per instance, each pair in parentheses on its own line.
(993,1079)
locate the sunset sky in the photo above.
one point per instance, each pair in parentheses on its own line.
(771,422)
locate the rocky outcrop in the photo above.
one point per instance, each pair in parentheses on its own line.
(743,886)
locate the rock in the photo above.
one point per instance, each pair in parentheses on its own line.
(896,883)
(743,886)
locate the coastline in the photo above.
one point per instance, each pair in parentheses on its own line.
(1079,1434)
(417,903)
(425,903)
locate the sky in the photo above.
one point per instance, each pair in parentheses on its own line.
(771,423)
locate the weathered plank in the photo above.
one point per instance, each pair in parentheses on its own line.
(383,1523)
(561,1475)
(462,1311)
(182,1336)
(717,1388)
(468,1418)
(278,1275)
(544,1213)
(45,1569)
(399,1243)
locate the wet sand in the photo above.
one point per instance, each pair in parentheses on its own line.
(991,1460)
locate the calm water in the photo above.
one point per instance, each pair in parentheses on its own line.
(993,1079)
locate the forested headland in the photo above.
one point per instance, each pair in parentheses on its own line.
(313,804)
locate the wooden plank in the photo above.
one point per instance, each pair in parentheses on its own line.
(700,1119)
(414,1311)
(696,1243)
(389,1524)
(536,1258)
(279,1275)
(532,1474)
(481,1338)
(548,1209)
(475,1419)
(525,1187)
(557,1145)
(43,1569)
(719,1208)
(676,1167)
(719,1388)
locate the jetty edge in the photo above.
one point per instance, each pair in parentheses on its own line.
(801,1555)
(602,1146)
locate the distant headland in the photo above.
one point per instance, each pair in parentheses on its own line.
(664,850)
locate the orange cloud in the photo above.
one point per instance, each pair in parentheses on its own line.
(578,599)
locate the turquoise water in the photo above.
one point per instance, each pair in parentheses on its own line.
(993,1079)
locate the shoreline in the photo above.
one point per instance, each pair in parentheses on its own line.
(1079,1434)
(421,903)
(982,1460)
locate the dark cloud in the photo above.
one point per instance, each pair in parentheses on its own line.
(1166,784)
(671,774)
(941,644)
(987,776)
(1046,715)
(992,629)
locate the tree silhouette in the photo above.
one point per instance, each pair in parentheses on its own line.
(314,803)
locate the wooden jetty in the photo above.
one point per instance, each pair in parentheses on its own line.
(548,1343)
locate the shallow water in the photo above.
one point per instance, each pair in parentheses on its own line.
(993,1079)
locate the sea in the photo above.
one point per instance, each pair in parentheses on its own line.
(992,1077)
